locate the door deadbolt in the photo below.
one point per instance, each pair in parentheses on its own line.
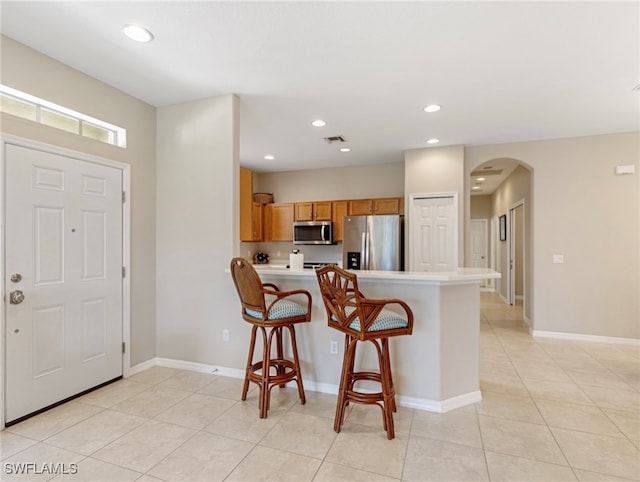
(16,297)
(16,277)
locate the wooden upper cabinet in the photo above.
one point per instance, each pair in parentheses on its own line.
(250,212)
(339,211)
(256,221)
(394,205)
(313,211)
(279,222)
(304,211)
(390,205)
(360,206)
(322,211)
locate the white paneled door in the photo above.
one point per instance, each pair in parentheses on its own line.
(479,253)
(432,238)
(63,252)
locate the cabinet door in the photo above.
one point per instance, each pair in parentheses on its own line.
(280,222)
(339,212)
(360,206)
(246,205)
(304,211)
(256,221)
(322,211)
(387,206)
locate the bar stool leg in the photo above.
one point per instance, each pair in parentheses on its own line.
(296,363)
(264,379)
(387,357)
(345,381)
(280,368)
(252,346)
(387,393)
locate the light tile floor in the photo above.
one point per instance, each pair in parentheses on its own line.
(551,410)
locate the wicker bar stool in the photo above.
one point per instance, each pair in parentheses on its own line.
(362,319)
(270,311)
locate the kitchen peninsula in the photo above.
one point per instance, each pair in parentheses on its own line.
(437,367)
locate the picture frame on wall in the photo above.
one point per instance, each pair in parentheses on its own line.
(503,227)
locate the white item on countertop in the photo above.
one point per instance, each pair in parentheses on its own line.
(296,261)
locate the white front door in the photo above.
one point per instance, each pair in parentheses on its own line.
(63,252)
(478,237)
(433,241)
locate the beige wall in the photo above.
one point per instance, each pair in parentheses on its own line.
(197,234)
(354,182)
(581,209)
(516,188)
(29,71)
(481,207)
(432,170)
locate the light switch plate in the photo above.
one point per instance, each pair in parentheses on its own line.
(558,258)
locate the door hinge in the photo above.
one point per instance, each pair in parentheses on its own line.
(124,196)
(124,272)
(123,347)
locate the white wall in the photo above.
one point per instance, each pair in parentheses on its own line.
(34,73)
(197,232)
(582,210)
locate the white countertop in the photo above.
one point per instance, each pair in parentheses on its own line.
(461,275)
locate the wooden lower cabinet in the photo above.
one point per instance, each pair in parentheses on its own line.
(339,211)
(278,222)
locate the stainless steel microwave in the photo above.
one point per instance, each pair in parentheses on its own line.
(313,232)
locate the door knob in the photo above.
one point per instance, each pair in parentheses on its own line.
(16,297)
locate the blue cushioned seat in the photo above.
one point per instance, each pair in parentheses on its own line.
(386,320)
(280,309)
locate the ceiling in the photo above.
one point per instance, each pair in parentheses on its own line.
(502,71)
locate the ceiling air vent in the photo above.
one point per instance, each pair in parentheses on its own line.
(494,172)
(333,139)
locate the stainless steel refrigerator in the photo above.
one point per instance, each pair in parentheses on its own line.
(373,242)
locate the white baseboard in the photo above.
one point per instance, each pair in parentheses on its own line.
(592,338)
(438,406)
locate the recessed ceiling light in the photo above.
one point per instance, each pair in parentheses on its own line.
(137,33)
(432,108)
(318,123)
(269,157)
(433,141)
(480,179)
(345,149)
(475,188)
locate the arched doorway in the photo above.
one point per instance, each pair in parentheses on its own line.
(500,192)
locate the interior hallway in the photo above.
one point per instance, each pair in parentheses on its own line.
(551,410)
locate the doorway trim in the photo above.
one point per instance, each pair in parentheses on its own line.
(512,249)
(484,284)
(456,224)
(6,139)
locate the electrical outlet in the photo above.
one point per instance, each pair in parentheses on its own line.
(277,254)
(333,347)
(225,335)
